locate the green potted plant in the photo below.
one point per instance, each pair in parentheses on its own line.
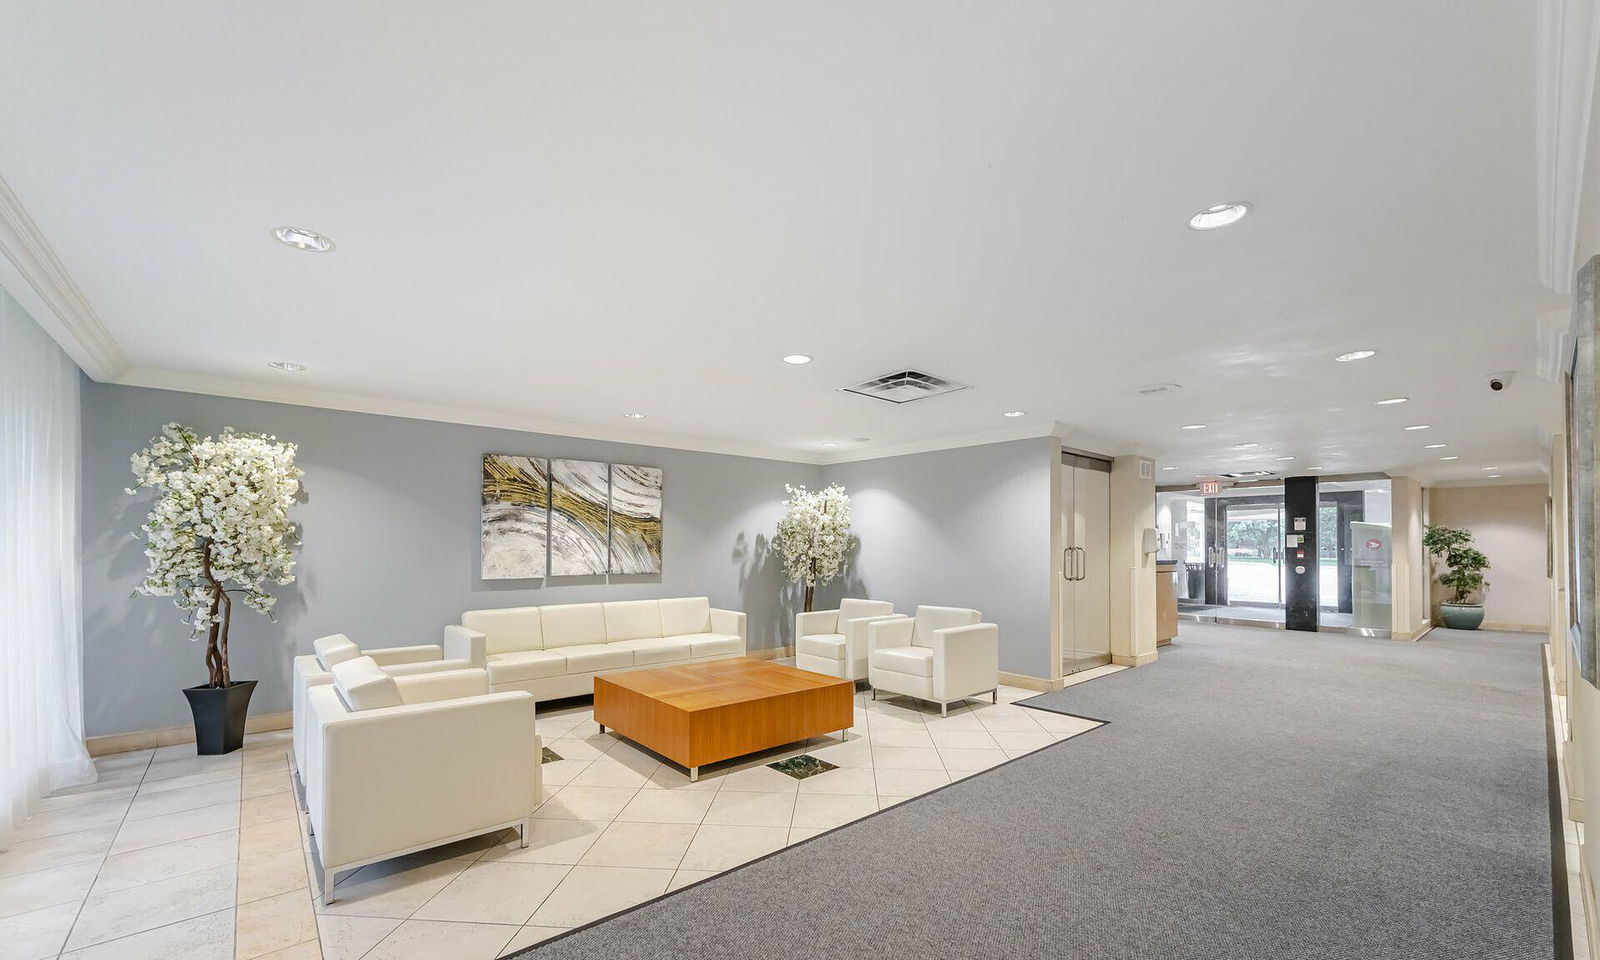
(1464,574)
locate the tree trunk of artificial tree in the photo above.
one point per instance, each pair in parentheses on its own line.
(810,590)
(217,636)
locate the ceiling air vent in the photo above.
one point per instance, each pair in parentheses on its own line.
(905,386)
(1249,475)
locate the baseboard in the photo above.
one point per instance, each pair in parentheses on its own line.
(770,653)
(171,736)
(1515,627)
(1418,633)
(1137,660)
(1027,682)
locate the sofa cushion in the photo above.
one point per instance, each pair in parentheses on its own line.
(633,620)
(333,649)
(829,646)
(363,685)
(682,615)
(525,665)
(912,661)
(856,609)
(506,629)
(589,657)
(568,624)
(713,644)
(656,649)
(930,619)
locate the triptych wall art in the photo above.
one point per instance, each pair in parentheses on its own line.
(567,518)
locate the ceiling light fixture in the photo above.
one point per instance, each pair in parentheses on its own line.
(1488,468)
(1245,446)
(1194,426)
(1494,476)
(301,239)
(1015,413)
(1449,458)
(634,416)
(1392,400)
(1169,468)
(1434,446)
(1283,458)
(287,366)
(1355,355)
(797,359)
(1313,468)
(1219,215)
(830,443)
(1418,426)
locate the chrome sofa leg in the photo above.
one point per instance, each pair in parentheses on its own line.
(327,878)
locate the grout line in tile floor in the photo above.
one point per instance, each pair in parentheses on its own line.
(107,855)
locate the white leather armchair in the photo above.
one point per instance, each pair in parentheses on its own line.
(459,649)
(834,642)
(944,654)
(400,764)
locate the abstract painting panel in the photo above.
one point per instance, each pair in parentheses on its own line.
(635,519)
(516,500)
(579,494)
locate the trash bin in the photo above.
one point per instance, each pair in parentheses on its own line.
(1197,580)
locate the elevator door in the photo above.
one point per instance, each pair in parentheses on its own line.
(1085,612)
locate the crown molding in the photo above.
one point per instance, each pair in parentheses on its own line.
(1568,39)
(36,278)
(442,413)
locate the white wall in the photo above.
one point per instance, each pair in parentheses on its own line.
(1508,524)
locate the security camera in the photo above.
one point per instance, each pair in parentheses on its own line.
(1500,381)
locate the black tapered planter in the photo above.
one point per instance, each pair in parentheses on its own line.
(219,714)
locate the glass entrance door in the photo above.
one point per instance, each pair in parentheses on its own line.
(1254,560)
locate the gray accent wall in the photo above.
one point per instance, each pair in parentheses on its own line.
(968,527)
(390,544)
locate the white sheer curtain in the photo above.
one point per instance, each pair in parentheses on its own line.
(41,647)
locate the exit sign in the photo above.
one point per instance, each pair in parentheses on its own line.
(1209,487)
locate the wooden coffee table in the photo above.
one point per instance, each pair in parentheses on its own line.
(699,713)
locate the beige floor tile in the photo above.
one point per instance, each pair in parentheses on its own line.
(261,838)
(825,811)
(573,748)
(667,806)
(586,803)
(657,846)
(54,823)
(89,793)
(349,938)
(306,950)
(759,779)
(276,806)
(266,784)
(919,758)
(751,809)
(669,777)
(164,861)
(797,834)
(909,782)
(611,772)
(206,937)
(38,933)
(167,769)
(157,803)
(1018,743)
(852,753)
(119,913)
(27,892)
(187,781)
(845,780)
(370,892)
(720,847)
(273,924)
(956,721)
(271,874)
(497,892)
(551,841)
(559,772)
(31,855)
(137,834)
(1009,723)
(893,737)
(683,878)
(978,739)
(885,802)
(589,893)
(433,939)
(528,936)
(957,760)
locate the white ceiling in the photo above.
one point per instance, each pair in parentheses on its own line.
(553,214)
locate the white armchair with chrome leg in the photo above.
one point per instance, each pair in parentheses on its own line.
(943,654)
(834,642)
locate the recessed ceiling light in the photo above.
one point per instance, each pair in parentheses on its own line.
(1283,458)
(1169,468)
(1194,426)
(1245,446)
(1313,468)
(287,366)
(302,239)
(634,416)
(1434,446)
(1392,400)
(1418,426)
(1494,476)
(796,359)
(1014,413)
(1488,468)
(1355,355)
(830,443)
(1449,458)
(1219,215)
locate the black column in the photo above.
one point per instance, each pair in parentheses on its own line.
(1216,538)
(1300,507)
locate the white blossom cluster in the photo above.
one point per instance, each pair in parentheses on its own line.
(814,534)
(224,504)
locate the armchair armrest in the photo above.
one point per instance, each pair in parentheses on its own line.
(815,622)
(855,633)
(391,656)
(460,643)
(730,622)
(895,631)
(442,685)
(966,660)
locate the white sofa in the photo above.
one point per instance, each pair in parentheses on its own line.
(944,654)
(459,648)
(557,651)
(399,764)
(834,642)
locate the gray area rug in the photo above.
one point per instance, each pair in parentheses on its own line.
(1257,794)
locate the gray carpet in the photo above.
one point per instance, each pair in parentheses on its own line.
(1257,794)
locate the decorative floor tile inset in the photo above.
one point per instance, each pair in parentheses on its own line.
(803,766)
(550,756)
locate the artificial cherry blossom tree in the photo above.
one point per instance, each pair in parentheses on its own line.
(220,527)
(814,535)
